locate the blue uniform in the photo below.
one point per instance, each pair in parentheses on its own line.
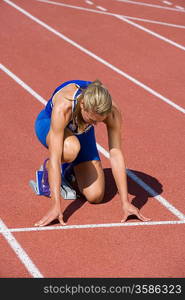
(87,140)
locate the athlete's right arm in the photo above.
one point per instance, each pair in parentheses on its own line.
(61,115)
(55,145)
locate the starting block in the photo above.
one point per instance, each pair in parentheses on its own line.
(67,192)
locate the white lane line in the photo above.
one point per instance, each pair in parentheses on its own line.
(147,188)
(101,8)
(23,84)
(89,2)
(154,22)
(155,195)
(167,2)
(91,54)
(19,251)
(89,226)
(180,7)
(135,178)
(159,36)
(150,5)
(110,14)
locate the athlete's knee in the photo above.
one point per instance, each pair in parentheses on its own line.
(71,148)
(96,197)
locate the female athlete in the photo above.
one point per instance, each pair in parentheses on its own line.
(66,128)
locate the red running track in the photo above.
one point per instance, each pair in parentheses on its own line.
(152,139)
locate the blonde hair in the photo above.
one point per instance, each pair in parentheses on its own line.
(96,98)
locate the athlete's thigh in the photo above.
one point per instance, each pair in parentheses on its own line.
(91,180)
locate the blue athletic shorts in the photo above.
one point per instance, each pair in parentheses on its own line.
(88,150)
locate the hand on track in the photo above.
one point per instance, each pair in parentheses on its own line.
(53,214)
(129,209)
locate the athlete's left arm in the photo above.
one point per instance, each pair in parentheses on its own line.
(114,129)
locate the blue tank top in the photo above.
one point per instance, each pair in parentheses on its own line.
(82,85)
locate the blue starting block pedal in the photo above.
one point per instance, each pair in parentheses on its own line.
(41,185)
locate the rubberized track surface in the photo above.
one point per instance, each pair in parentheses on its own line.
(142,64)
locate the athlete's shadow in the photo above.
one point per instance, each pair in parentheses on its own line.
(147,187)
(141,193)
(143,187)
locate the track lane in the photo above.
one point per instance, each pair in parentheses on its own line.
(170,13)
(172,33)
(141,196)
(131,10)
(85,210)
(117,252)
(25,207)
(155,184)
(122,57)
(40,54)
(10,265)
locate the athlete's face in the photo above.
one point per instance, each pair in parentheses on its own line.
(91,117)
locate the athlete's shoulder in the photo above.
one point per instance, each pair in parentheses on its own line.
(66,93)
(114,118)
